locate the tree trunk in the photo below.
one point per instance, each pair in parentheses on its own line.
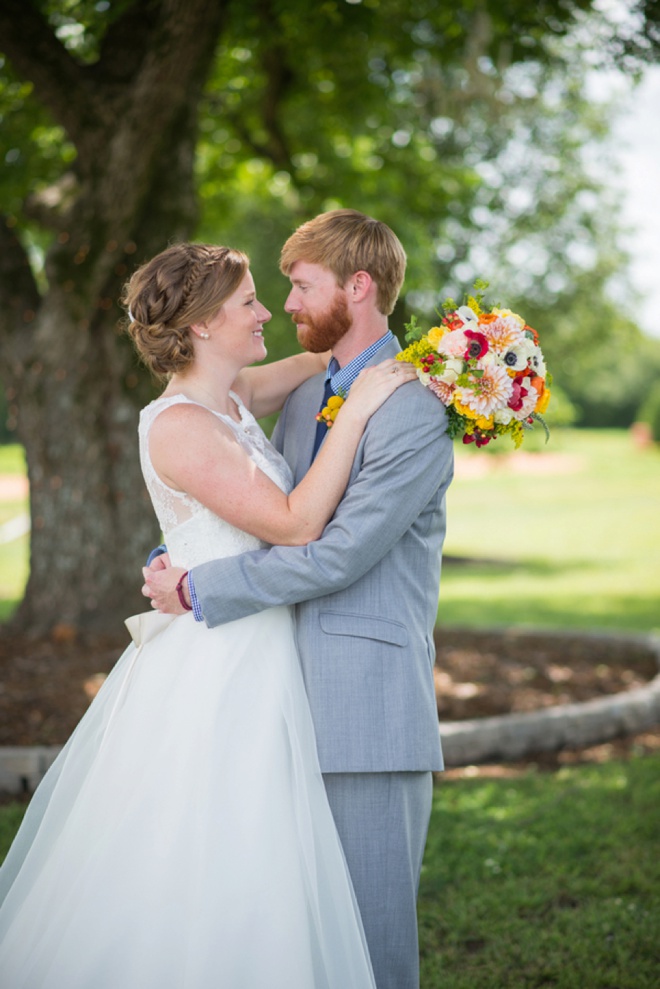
(66,366)
(91,520)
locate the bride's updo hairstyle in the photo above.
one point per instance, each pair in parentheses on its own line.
(185,284)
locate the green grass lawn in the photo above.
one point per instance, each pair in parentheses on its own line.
(14,555)
(544,881)
(12,459)
(575,548)
(536,881)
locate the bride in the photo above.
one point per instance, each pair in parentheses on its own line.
(182,839)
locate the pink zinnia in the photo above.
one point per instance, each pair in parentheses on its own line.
(488,393)
(453,344)
(502,334)
(443,390)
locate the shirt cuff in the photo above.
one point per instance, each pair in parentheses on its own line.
(194,600)
(156,552)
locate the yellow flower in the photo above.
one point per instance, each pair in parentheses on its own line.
(474,305)
(508,314)
(328,413)
(517,434)
(545,401)
(435,335)
(485,422)
(465,410)
(414,353)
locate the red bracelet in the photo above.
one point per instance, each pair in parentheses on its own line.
(179,590)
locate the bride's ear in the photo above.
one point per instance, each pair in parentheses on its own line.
(200,330)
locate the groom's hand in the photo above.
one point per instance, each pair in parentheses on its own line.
(160,585)
(160,562)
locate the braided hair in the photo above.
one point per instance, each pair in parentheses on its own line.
(185,284)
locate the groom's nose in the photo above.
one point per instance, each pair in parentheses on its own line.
(292,303)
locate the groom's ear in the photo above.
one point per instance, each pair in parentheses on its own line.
(359,286)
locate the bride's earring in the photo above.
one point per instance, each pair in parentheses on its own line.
(205,336)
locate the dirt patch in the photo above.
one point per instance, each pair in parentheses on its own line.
(481,674)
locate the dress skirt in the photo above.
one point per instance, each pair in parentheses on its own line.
(183,838)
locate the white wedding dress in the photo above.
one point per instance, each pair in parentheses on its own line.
(183,839)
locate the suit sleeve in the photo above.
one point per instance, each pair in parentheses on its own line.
(407,458)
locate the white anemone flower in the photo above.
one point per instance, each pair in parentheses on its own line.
(516,356)
(469,317)
(536,360)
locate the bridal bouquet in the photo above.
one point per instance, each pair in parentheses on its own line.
(485,366)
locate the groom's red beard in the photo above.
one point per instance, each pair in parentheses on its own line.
(322,332)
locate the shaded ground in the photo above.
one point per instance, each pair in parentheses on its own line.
(47,684)
(483,674)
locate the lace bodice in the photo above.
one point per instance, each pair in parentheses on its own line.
(192,532)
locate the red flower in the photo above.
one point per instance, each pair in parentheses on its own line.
(477,438)
(516,400)
(478,345)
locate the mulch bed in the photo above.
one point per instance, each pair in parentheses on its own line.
(46,684)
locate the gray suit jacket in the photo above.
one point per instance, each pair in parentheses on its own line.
(366,593)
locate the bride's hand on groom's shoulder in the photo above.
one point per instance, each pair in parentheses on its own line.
(160,585)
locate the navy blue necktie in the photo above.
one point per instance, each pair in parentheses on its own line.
(321,427)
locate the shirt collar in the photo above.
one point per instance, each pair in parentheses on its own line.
(343,377)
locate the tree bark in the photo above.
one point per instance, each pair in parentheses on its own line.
(71,373)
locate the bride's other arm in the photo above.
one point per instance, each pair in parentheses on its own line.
(264,389)
(193,451)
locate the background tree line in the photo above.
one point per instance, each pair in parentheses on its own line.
(133,123)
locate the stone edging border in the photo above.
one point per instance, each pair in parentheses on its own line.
(504,738)
(511,737)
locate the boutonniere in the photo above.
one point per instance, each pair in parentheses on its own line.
(328,413)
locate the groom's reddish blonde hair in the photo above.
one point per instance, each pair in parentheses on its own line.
(346,241)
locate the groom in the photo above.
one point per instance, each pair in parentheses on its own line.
(366,593)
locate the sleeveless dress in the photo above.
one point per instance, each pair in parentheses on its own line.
(183,838)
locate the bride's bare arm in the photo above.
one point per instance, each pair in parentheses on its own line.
(264,389)
(192,451)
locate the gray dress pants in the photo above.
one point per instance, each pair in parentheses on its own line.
(382,820)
